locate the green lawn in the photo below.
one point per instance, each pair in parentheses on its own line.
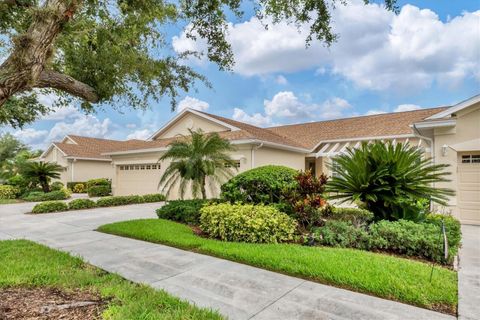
(24,263)
(9,201)
(376,274)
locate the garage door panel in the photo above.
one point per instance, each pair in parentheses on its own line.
(469,192)
(137,181)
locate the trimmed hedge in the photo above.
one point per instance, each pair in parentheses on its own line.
(260,185)
(78,204)
(185,211)
(50,206)
(154,197)
(356,216)
(8,192)
(247,223)
(37,196)
(119,201)
(57,185)
(99,187)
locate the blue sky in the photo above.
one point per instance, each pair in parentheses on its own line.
(428,55)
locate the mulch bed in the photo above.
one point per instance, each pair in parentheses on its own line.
(49,303)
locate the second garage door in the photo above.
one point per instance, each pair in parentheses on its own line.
(469,188)
(137,179)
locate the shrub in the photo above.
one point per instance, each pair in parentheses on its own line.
(452,229)
(57,185)
(20,182)
(37,196)
(99,191)
(342,234)
(247,223)
(154,197)
(50,206)
(390,180)
(78,204)
(260,185)
(8,192)
(407,237)
(71,185)
(185,211)
(98,182)
(118,201)
(356,216)
(79,188)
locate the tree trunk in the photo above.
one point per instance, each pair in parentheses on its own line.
(45,186)
(204,191)
(24,69)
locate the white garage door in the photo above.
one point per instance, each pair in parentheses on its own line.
(137,179)
(469,188)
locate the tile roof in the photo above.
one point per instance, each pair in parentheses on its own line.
(305,135)
(387,124)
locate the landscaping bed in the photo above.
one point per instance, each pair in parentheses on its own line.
(377,274)
(41,283)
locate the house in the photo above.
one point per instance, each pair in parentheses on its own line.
(449,135)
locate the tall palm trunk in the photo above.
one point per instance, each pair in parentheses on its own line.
(204,191)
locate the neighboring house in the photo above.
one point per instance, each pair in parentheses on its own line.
(447,134)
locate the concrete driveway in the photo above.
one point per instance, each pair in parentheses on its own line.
(236,290)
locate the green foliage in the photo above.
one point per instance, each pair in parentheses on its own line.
(247,223)
(10,147)
(21,110)
(71,185)
(153,197)
(119,201)
(8,192)
(50,206)
(259,185)
(306,198)
(99,191)
(57,185)
(344,234)
(27,264)
(185,211)
(356,216)
(195,160)
(37,196)
(79,188)
(389,180)
(98,182)
(381,275)
(78,204)
(452,229)
(42,172)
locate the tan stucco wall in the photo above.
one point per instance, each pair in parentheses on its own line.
(466,129)
(190,121)
(54,155)
(84,170)
(266,155)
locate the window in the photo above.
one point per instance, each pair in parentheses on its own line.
(471,158)
(140,167)
(335,168)
(235,164)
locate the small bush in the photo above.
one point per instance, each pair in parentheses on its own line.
(37,196)
(356,216)
(342,234)
(119,201)
(50,206)
(247,223)
(154,197)
(79,188)
(71,185)
(260,185)
(78,204)
(185,211)
(452,229)
(57,185)
(98,182)
(99,191)
(8,192)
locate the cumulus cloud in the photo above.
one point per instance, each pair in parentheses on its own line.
(285,106)
(377,49)
(192,103)
(86,125)
(406,107)
(374,112)
(142,134)
(30,135)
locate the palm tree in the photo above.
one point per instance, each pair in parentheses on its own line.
(42,172)
(195,158)
(392,181)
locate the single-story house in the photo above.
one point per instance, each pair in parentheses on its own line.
(448,135)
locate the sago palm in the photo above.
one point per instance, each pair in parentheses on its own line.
(194,160)
(389,180)
(42,172)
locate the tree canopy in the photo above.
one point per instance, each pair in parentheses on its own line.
(114,53)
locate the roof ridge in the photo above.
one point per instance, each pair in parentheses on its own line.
(356,117)
(95,138)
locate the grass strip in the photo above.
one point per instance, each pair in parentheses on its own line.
(26,264)
(376,274)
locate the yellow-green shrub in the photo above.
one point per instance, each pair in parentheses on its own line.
(247,223)
(79,188)
(8,192)
(50,206)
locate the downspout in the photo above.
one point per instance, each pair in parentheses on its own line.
(416,132)
(72,171)
(252,164)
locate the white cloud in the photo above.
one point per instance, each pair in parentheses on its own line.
(281,80)
(192,103)
(374,112)
(285,106)
(30,135)
(255,119)
(143,134)
(86,125)
(376,49)
(406,107)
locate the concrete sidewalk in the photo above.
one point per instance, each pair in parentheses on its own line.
(469,274)
(236,290)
